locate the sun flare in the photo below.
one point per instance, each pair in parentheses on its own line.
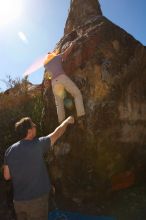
(10,10)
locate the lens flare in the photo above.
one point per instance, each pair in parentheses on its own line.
(40,63)
(35,66)
(49,57)
(68,103)
(59,90)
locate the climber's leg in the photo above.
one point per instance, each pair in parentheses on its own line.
(58,91)
(70,86)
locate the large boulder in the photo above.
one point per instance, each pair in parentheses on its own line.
(109,67)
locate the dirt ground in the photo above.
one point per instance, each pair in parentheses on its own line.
(128,204)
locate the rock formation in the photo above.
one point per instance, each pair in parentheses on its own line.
(109,67)
(80,12)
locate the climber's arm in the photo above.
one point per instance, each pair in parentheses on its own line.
(67,51)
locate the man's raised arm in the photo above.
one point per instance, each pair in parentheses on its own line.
(59,131)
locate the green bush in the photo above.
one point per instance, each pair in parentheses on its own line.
(14,105)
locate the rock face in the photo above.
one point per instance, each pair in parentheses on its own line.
(80,12)
(109,67)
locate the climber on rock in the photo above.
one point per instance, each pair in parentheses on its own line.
(60,81)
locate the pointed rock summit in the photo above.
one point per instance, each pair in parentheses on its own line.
(109,67)
(81,11)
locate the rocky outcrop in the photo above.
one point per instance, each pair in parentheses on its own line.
(109,67)
(81,12)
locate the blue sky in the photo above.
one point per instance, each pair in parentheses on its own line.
(40,26)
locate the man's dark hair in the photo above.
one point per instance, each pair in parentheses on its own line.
(22,126)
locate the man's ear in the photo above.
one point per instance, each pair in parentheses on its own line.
(29,132)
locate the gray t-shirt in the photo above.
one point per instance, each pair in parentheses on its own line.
(27,168)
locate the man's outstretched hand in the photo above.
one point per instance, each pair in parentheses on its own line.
(59,131)
(70,120)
